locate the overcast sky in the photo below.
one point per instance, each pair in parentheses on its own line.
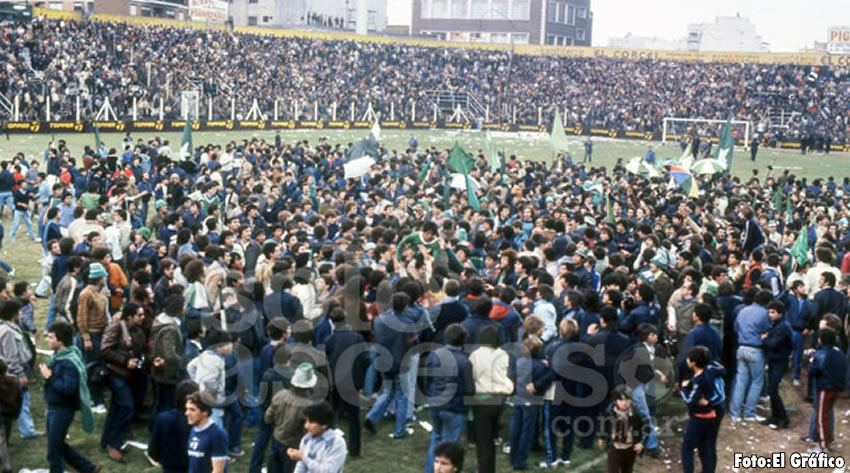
(787,25)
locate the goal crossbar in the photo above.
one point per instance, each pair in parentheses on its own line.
(666,121)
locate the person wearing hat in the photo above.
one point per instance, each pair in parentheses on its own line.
(92,320)
(158,220)
(585,278)
(285,416)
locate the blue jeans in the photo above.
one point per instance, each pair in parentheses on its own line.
(748,382)
(59,452)
(120,413)
(448,426)
(523,430)
(233,414)
(371,374)
(561,424)
(25,216)
(5,266)
(90,356)
(639,395)
(51,312)
(390,393)
(408,383)
(258,451)
(6,199)
(25,424)
(279,461)
(797,351)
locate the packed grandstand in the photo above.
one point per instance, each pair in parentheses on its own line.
(93,60)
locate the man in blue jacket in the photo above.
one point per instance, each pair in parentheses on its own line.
(827,367)
(702,334)
(65,391)
(750,324)
(800,314)
(777,350)
(450,381)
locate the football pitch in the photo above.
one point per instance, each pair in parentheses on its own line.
(380,454)
(531,146)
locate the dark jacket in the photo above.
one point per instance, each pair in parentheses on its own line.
(348,366)
(800,313)
(615,343)
(473,325)
(445,314)
(777,345)
(169,429)
(392,340)
(531,370)
(115,352)
(830,301)
(190,352)
(707,385)
(701,334)
(450,379)
(11,397)
(62,389)
(828,368)
(508,318)
(643,313)
(168,345)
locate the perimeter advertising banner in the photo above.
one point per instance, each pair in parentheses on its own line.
(176,126)
(213,11)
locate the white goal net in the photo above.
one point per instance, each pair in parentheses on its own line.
(675,129)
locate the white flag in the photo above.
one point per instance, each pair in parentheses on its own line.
(376,131)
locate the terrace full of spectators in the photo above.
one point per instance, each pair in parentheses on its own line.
(93,60)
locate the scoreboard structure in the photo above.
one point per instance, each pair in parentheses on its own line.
(838,40)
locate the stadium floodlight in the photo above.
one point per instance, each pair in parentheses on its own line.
(676,127)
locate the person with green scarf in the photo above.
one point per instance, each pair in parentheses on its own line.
(65,388)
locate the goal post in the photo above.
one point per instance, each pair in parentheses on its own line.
(679,126)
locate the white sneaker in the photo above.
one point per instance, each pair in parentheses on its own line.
(796,383)
(543,465)
(506,449)
(560,462)
(99,409)
(11,273)
(757,418)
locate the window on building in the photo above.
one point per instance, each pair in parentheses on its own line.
(520,10)
(550,12)
(133,11)
(55,5)
(478,37)
(252,1)
(550,39)
(372,21)
(267,19)
(78,6)
(425,7)
(560,40)
(459,9)
(519,38)
(480,9)
(439,8)
(560,12)
(501,38)
(170,14)
(580,34)
(499,10)
(146,11)
(581,12)
(181,17)
(252,21)
(571,14)
(569,41)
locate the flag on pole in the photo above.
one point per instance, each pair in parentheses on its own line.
(492,155)
(800,250)
(376,131)
(687,158)
(186,148)
(558,138)
(366,147)
(726,146)
(609,212)
(447,189)
(462,162)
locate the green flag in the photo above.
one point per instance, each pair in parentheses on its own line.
(98,145)
(777,200)
(462,162)
(492,155)
(447,189)
(609,213)
(424,171)
(726,146)
(502,163)
(789,211)
(558,138)
(186,148)
(800,250)
(366,147)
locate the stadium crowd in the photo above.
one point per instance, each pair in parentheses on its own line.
(94,60)
(261,277)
